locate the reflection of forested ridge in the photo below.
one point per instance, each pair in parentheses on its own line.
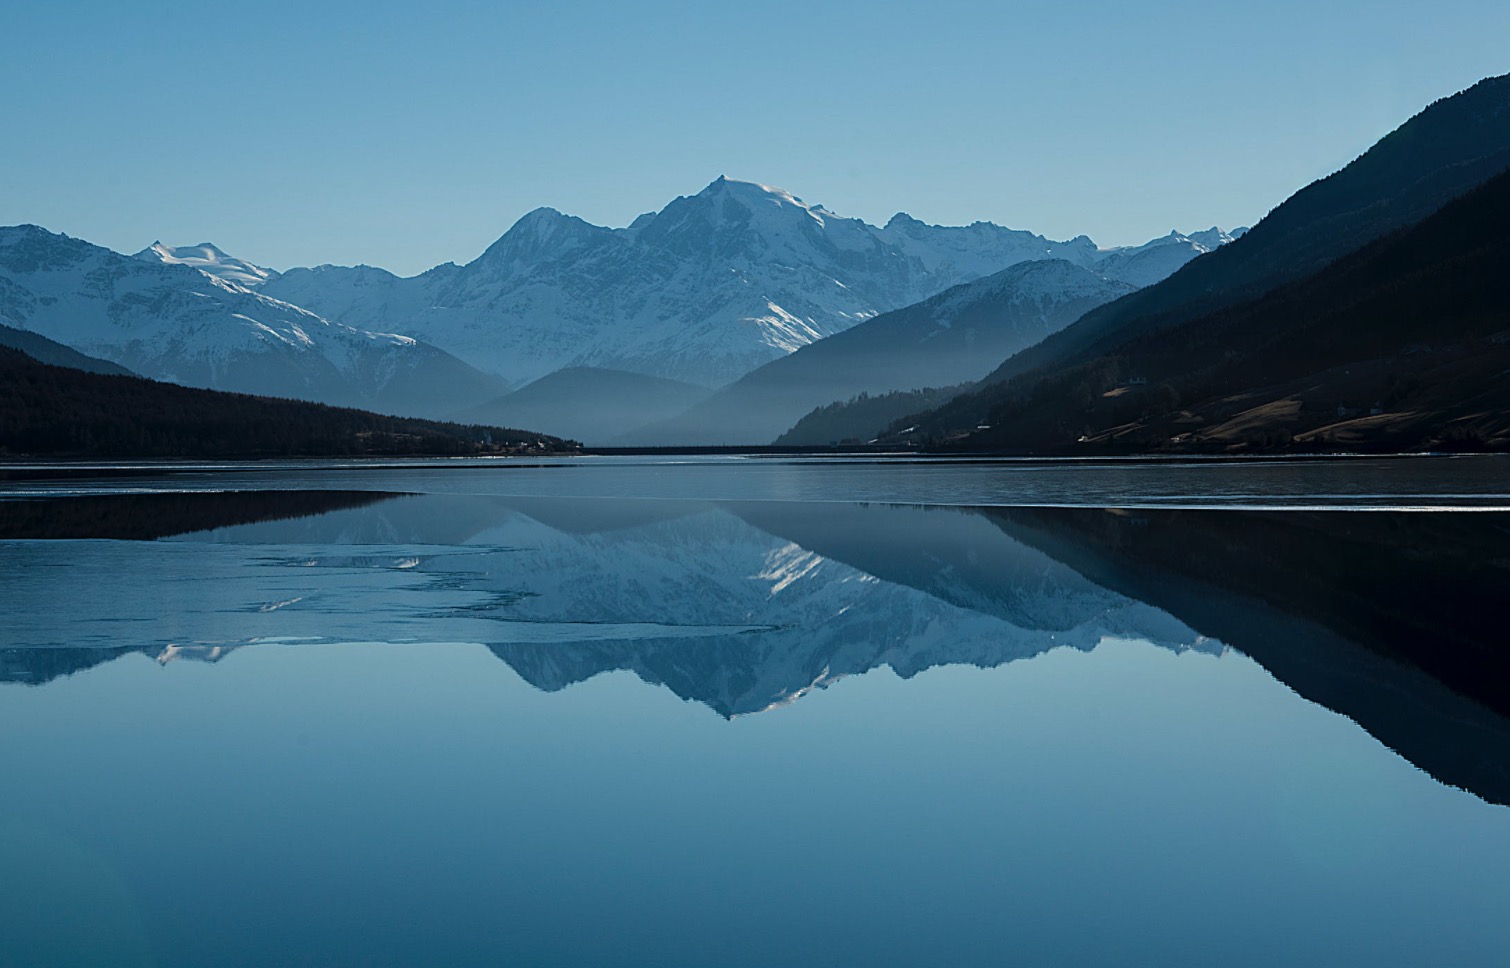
(1392,619)
(144,517)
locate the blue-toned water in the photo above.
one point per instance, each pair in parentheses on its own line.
(744,712)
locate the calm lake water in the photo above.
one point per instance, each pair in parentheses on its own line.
(733,711)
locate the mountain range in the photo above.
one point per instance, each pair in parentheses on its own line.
(641,322)
(703,291)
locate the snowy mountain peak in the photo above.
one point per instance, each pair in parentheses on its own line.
(748,227)
(211,260)
(750,204)
(753,192)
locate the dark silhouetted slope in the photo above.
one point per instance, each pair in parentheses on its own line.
(861,418)
(57,411)
(1448,149)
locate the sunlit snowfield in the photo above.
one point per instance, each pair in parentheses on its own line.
(734,711)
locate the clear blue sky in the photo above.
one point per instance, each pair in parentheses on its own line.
(407,134)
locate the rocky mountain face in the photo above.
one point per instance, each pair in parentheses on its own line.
(181,323)
(703,291)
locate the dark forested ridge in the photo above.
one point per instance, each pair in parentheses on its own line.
(56,411)
(859,419)
(1403,345)
(1090,380)
(1451,147)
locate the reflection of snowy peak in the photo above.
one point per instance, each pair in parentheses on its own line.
(808,619)
(705,290)
(167,318)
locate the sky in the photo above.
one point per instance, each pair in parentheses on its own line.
(406,135)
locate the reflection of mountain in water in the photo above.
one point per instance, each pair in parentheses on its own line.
(687,595)
(816,618)
(1389,619)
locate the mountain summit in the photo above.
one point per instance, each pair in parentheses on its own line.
(208,258)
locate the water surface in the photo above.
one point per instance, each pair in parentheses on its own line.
(744,712)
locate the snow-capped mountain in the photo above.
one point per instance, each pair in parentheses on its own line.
(208,258)
(703,291)
(171,320)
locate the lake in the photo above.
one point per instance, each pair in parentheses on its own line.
(743,711)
